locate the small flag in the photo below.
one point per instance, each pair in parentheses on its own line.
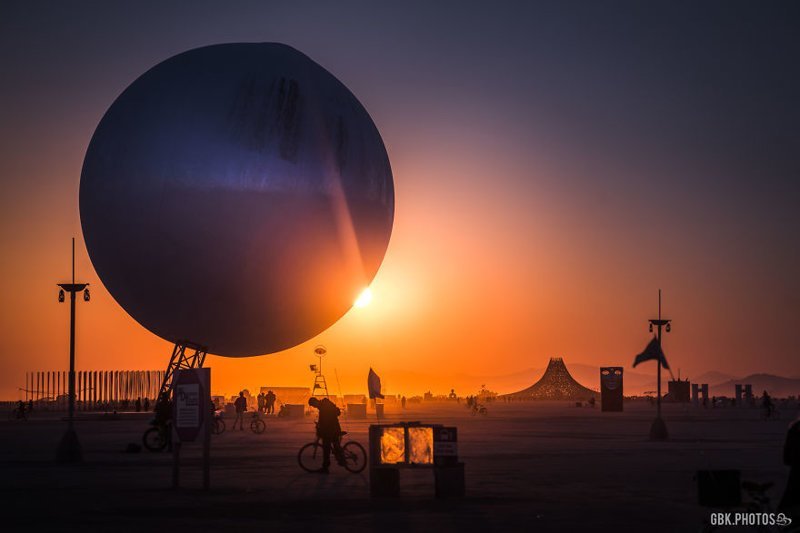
(652,351)
(374,385)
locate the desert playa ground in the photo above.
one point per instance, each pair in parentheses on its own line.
(529,466)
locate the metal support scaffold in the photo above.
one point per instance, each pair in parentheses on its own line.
(320,388)
(185,355)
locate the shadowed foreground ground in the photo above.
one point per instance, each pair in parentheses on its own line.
(529,466)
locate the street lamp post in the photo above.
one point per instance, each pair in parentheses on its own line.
(69,449)
(658,431)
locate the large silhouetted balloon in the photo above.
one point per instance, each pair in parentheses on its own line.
(237,196)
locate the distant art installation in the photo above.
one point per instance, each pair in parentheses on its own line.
(556,384)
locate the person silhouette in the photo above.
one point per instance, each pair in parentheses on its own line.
(329,430)
(241,406)
(767,405)
(790,502)
(270,401)
(262,402)
(163,417)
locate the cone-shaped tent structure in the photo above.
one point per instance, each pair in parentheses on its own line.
(555,384)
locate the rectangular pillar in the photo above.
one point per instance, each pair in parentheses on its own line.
(748,395)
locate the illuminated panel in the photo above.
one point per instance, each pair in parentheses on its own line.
(420,445)
(393,446)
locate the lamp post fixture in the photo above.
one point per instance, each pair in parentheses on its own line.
(69,449)
(658,431)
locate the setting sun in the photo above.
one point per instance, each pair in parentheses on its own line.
(364,298)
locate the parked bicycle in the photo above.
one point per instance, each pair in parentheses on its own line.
(479,409)
(219,425)
(353,455)
(18,413)
(157,437)
(257,425)
(757,502)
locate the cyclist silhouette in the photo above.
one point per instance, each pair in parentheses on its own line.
(329,431)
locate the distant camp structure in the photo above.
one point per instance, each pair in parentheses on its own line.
(112,389)
(556,384)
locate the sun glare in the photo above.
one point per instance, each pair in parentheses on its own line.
(364,298)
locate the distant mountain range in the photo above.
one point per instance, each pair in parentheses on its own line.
(775,385)
(634,382)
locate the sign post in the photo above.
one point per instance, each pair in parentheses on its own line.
(191,416)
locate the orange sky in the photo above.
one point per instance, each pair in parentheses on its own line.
(539,206)
(478,282)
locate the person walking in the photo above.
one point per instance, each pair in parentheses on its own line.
(241,406)
(262,402)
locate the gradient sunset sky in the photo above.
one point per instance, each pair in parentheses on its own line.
(555,164)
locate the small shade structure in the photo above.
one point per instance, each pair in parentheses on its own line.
(556,384)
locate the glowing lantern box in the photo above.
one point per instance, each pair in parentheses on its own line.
(414,445)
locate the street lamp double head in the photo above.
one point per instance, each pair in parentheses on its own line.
(659,323)
(73,288)
(658,431)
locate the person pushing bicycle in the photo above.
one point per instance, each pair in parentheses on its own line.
(329,430)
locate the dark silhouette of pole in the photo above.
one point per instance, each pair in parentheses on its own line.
(69,449)
(658,431)
(72,343)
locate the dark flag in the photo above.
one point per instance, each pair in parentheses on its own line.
(374,385)
(652,351)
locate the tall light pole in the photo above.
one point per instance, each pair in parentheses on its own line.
(658,431)
(69,449)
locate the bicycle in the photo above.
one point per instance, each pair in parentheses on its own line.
(18,414)
(257,425)
(157,437)
(354,457)
(219,425)
(478,409)
(757,503)
(770,413)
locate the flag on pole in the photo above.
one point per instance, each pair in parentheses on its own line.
(652,351)
(374,385)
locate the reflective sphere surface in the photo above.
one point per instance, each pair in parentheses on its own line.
(237,196)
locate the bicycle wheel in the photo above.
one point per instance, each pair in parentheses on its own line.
(310,457)
(154,440)
(219,426)
(258,426)
(355,457)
